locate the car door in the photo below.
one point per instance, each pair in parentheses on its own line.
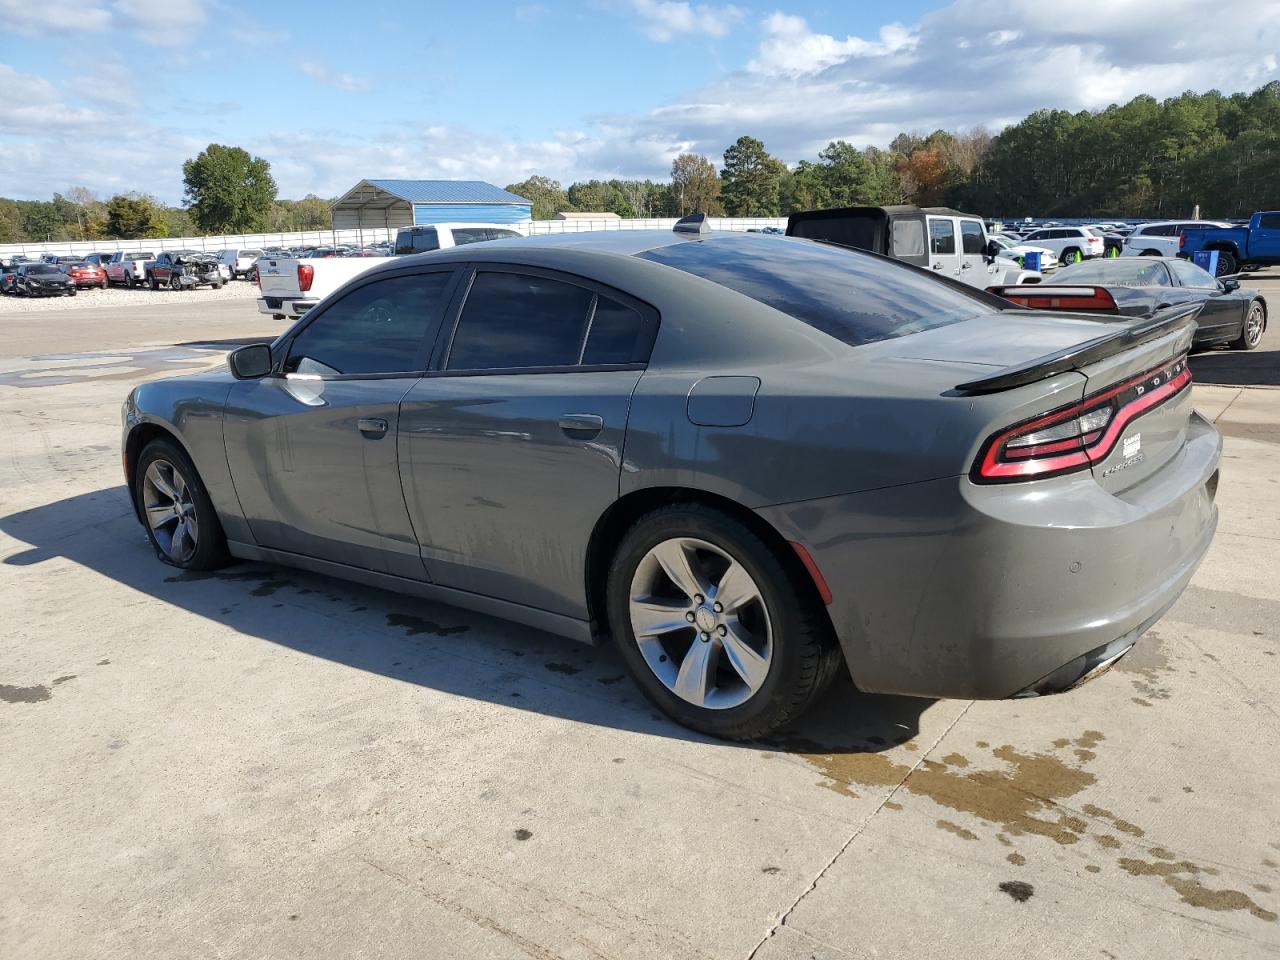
(975,268)
(944,252)
(312,447)
(1222,316)
(1264,242)
(511,448)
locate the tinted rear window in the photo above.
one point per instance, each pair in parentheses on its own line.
(852,296)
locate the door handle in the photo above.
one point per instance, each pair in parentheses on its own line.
(581,426)
(372,427)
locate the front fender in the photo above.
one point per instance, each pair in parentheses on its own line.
(189,410)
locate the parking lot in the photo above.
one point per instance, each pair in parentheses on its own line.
(264,762)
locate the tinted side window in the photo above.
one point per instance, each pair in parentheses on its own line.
(972,237)
(512,321)
(614,333)
(472,234)
(1269,221)
(377,328)
(942,236)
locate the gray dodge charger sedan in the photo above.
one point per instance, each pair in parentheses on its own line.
(749,459)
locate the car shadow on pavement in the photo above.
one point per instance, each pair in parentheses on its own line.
(411,640)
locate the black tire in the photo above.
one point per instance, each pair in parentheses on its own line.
(1071,255)
(211,544)
(1152,253)
(152,282)
(129,281)
(71,292)
(174,282)
(805,655)
(1227,264)
(1255,324)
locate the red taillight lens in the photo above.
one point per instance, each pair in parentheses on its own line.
(1182,240)
(1075,437)
(1041,297)
(306,273)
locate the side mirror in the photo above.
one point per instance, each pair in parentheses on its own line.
(1230,284)
(250,362)
(993,249)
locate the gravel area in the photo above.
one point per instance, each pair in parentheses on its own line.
(122,297)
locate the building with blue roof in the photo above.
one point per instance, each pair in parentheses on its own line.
(404,203)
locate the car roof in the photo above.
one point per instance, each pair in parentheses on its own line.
(618,242)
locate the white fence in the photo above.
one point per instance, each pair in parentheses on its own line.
(358,238)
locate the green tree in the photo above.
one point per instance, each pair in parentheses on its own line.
(11,222)
(750,180)
(227,190)
(695,186)
(133,216)
(545,195)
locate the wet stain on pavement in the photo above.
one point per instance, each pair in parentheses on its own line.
(1020,890)
(1182,876)
(1146,664)
(1016,859)
(523,834)
(413,626)
(34,694)
(565,668)
(958,830)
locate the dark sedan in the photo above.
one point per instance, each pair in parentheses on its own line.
(43,280)
(1141,286)
(752,461)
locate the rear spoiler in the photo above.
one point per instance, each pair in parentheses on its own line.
(1091,351)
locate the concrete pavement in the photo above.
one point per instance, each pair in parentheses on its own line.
(266,763)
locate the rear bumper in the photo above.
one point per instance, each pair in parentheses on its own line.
(274,306)
(949,589)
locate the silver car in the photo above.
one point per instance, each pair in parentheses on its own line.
(750,460)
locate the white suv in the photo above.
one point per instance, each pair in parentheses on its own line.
(1161,239)
(239,262)
(1069,244)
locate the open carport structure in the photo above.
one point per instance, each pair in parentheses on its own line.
(390,204)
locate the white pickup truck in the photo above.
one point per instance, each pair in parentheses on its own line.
(291,287)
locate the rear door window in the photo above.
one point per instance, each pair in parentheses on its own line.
(1269,221)
(514,321)
(853,296)
(942,236)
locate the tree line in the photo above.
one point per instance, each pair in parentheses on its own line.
(1146,158)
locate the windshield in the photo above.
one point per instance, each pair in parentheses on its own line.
(1119,272)
(847,294)
(44,268)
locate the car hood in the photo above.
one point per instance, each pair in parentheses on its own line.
(999,339)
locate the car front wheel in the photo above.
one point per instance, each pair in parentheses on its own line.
(1071,256)
(714,627)
(181,522)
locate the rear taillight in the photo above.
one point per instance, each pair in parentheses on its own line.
(1038,296)
(306,273)
(1075,437)
(1182,240)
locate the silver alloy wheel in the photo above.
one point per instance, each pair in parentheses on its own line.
(701,623)
(170,511)
(1253,326)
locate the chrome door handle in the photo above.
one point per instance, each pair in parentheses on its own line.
(372,426)
(581,426)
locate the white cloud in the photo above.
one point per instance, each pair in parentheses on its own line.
(329,77)
(664,20)
(31,19)
(790,47)
(162,23)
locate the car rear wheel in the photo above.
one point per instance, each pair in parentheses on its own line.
(1152,253)
(716,630)
(1227,264)
(181,522)
(1071,256)
(1112,253)
(1255,322)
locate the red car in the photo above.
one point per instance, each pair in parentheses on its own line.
(86,274)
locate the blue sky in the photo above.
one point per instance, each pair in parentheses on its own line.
(115,94)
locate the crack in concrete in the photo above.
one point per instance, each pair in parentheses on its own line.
(813,884)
